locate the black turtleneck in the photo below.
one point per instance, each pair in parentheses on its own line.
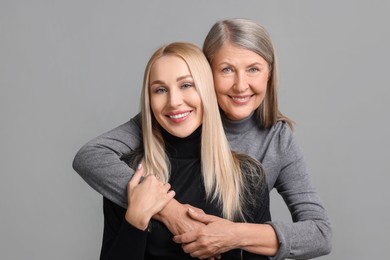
(123,241)
(187,147)
(185,176)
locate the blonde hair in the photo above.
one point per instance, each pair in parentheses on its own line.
(222,176)
(251,36)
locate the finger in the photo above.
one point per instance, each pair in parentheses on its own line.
(190,248)
(204,218)
(135,180)
(195,208)
(185,238)
(171,194)
(167,186)
(198,250)
(201,254)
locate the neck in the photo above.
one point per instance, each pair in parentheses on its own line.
(239,126)
(186,147)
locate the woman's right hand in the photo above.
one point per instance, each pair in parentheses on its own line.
(145,198)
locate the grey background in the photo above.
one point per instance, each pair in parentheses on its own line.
(70,70)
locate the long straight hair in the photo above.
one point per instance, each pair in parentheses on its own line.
(251,36)
(222,176)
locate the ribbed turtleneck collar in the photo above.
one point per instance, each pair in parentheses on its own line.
(236,127)
(187,147)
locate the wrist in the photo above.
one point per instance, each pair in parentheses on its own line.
(257,238)
(137,220)
(166,213)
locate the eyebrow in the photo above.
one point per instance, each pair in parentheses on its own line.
(231,64)
(256,63)
(178,79)
(183,77)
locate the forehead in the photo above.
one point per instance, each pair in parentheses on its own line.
(232,54)
(167,67)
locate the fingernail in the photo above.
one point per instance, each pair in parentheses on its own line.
(191,210)
(139,166)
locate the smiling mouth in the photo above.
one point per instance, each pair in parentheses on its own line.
(240,99)
(179,116)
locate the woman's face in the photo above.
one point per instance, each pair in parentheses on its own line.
(175,103)
(240,79)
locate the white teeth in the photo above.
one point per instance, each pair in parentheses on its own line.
(179,115)
(240,99)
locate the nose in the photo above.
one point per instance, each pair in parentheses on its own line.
(175,98)
(240,83)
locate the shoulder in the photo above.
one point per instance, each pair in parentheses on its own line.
(283,132)
(287,143)
(282,128)
(136,120)
(132,127)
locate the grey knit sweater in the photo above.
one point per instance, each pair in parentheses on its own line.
(98,163)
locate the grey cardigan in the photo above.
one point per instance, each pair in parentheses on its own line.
(98,163)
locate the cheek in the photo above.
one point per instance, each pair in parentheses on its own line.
(260,85)
(196,101)
(221,85)
(155,107)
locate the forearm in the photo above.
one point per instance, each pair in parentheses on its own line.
(310,234)
(255,238)
(104,172)
(99,161)
(175,217)
(303,240)
(166,215)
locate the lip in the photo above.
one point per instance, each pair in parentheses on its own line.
(240,100)
(178,116)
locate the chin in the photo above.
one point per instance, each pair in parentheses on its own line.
(239,116)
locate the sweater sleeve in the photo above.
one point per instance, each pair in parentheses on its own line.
(120,239)
(98,161)
(310,233)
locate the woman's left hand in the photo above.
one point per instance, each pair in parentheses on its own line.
(210,240)
(146,198)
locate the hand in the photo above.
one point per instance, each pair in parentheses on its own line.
(175,217)
(146,198)
(210,240)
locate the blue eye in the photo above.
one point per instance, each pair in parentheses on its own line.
(253,69)
(227,70)
(186,85)
(160,90)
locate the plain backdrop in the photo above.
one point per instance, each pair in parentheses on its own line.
(71,70)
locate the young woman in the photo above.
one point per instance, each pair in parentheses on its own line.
(245,76)
(183,144)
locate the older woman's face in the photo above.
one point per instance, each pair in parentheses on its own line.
(240,78)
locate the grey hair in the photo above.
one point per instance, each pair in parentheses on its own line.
(242,33)
(249,35)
